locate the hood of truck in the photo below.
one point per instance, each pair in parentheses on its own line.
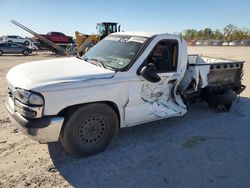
(47,72)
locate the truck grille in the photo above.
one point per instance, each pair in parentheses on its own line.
(11,91)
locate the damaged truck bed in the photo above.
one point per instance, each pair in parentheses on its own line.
(222,78)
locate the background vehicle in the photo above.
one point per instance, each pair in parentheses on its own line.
(245,43)
(13,48)
(33,46)
(64,45)
(46,43)
(16,39)
(85,42)
(234,43)
(125,80)
(56,37)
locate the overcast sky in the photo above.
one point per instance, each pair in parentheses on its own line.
(138,15)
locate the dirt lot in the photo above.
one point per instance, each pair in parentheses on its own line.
(202,149)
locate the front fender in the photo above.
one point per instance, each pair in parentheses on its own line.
(57,100)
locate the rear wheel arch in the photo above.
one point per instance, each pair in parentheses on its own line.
(220,98)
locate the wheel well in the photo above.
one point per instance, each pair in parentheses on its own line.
(70,109)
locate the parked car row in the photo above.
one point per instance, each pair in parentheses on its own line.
(19,40)
(219,43)
(13,44)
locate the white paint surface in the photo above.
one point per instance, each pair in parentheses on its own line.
(42,73)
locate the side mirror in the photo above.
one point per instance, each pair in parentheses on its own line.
(149,73)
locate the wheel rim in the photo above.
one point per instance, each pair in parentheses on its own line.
(92,131)
(25,53)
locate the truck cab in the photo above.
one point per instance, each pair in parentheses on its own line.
(124,80)
(106,28)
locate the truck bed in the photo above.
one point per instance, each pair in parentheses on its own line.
(221,71)
(195,59)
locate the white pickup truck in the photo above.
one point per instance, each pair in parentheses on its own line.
(125,80)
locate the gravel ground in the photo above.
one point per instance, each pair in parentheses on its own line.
(202,149)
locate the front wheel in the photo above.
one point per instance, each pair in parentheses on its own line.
(1,53)
(89,129)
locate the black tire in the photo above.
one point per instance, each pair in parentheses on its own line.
(221,99)
(89,129)
(25,52)
(1,52)
(26,43)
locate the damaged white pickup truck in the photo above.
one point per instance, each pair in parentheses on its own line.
(124,80)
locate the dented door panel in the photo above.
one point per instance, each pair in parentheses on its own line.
(151,101)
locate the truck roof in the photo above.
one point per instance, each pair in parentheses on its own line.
(141,34)
(144,34)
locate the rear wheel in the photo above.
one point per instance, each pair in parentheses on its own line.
(221,99)
(1,53)
(89,129)
(26,43)
(25,52)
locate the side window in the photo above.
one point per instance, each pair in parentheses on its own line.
(165,56)
(13,46)
(110,28)
(114,29)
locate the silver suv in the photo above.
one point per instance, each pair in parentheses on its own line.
(16,39)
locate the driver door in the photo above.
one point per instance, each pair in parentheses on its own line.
(151,101)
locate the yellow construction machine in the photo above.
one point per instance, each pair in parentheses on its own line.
(85,42)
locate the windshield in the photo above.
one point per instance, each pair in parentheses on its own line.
(115,52)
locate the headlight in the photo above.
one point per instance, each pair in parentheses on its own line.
(29,98)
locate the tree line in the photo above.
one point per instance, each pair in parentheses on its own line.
(229,33)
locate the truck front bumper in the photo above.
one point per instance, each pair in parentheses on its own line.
(45,129)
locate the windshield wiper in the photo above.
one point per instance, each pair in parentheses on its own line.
(100,63)
(96,60)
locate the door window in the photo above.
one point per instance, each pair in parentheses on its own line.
(164,56)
